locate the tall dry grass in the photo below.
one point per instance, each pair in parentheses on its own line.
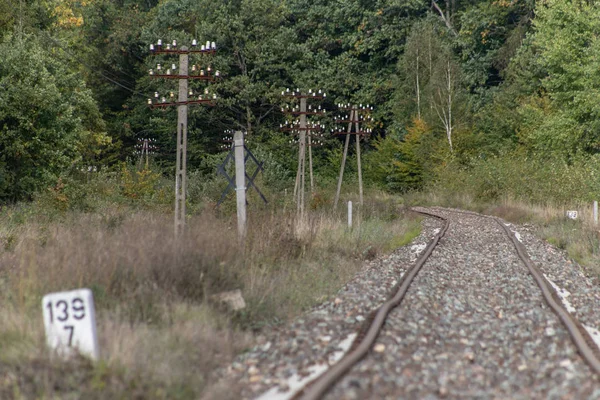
(161,335)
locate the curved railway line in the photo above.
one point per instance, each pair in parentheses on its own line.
(371,329)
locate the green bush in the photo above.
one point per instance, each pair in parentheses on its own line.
(529,178)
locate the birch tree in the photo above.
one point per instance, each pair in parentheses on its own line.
(433,78)
(444,92)
(417,65)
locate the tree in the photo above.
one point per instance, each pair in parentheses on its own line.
(432,74)
(420,55)
(445,92)
(489,36)
(403,165)
(563,116)
(46,112)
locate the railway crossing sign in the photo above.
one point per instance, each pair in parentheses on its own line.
(222,169)
(70,322)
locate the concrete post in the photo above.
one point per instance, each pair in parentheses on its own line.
(240,183)
(350,214)
(181,159)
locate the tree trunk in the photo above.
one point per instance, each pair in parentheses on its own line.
(449,124)
(446,16)
(248,120)
(418,89)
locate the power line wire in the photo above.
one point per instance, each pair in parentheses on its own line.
(88,67)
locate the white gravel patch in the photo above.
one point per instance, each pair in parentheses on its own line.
(517,234)
(594,333)
(563,294)
(415,250)
(296,383)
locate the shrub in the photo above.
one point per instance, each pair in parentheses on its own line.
(529,178)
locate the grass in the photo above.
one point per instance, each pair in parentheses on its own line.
(161,336)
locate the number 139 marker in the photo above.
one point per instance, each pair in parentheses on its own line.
(70,323)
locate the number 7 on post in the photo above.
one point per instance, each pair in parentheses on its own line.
(70,322)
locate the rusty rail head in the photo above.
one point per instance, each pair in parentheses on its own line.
(372,326)
(579,336)
(320,386)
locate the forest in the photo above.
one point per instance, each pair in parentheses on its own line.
(489,97)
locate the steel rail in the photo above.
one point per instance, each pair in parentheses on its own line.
(321,385)
(581,339)
(579,336)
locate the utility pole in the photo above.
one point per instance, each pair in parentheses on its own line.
(240,182)
(144,147)
(312,140)
(250,177)
(304,131)
(353,121)
(183,76)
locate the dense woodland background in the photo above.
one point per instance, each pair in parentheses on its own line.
(478,95)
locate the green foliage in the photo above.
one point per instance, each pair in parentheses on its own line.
(415,150)
(432,77)
(381,164)
(516,175)
(489,36)
(562,116)
(46,114)
(138,184)
(488,77)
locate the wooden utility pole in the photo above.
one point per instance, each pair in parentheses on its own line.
(144,148)
(183,76)
(302,152)
(304,131)
(353,121)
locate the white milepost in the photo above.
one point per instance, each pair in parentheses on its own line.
(571,214)
(349,214)
(70,322)
(595,212)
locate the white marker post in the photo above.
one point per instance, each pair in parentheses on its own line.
(70,322)
(595,212)
(350,214)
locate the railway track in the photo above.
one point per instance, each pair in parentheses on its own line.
(366,339)
(472,317)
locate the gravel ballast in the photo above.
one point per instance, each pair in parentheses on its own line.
(472,325)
